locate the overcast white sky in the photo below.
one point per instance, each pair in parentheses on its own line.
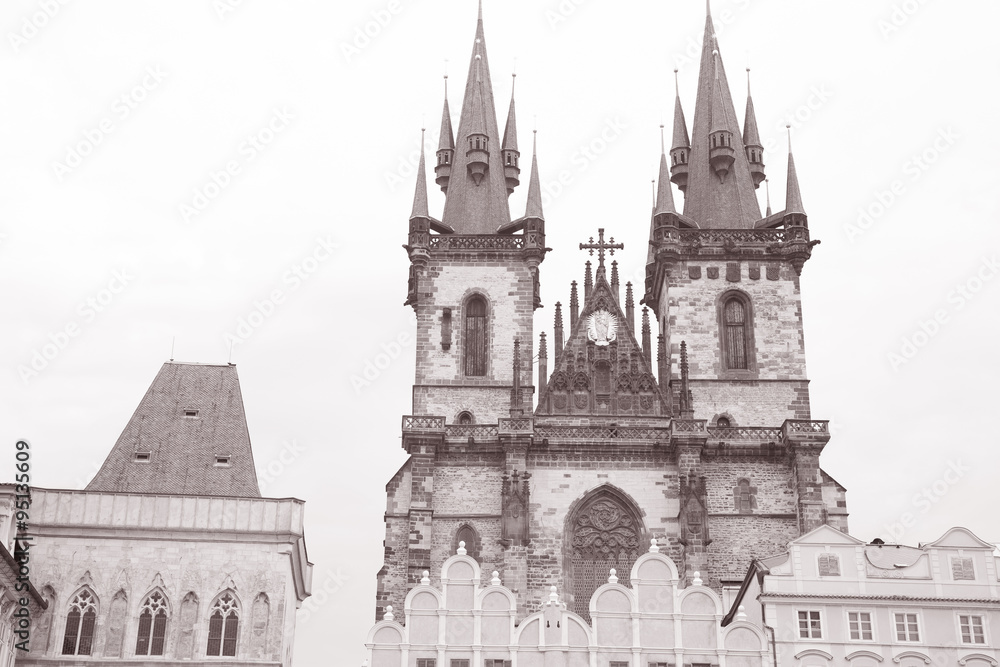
(201,76)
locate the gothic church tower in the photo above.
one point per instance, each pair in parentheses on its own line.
(686,424)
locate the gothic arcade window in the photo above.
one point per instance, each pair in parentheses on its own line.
(475,337)
(736,333)
(223,626)
(152,625)
(79,637)
(604,533)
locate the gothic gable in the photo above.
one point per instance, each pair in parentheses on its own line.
(601,369)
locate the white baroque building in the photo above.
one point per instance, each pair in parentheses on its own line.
(832,599)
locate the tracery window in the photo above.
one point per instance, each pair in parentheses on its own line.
(735,322)
(79,637)
(152,625)
(223,626)
(468,535)
(605,533)
(475,337)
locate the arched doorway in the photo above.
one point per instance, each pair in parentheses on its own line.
(604,530)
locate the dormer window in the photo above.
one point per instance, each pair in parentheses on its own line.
(141,457)
(222,460)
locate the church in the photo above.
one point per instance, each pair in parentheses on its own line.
(667,440)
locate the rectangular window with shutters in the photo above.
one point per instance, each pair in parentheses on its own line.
(962,569)
(860,625)
(829,565)
(907,629)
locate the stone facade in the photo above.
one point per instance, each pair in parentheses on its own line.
(191,549)
(834,600)
(694,431)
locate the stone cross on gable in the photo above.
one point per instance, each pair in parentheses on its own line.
(601,246)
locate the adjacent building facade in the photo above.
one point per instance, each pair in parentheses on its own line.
(692,428)
(170,554)
(834,600)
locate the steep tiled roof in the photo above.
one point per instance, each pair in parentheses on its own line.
(191,414)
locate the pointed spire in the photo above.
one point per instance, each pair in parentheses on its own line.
(664,195)
(751,140)
(574,306)
(511,156)
(614,280)
(720,190)
(516,405)
(543,364)
(533,209)
(558,330)
(420,195)
(767,189)
(629,308)
(686,403)
(647,352)
(588,281)
(793,198)
(477,192)
(446,145)
(661,361)
(680,151)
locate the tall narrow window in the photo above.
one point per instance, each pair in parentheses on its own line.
(735,334)
(223,626)
(475,337)
(152,625)
(79,638)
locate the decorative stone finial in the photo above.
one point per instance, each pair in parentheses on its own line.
(553,596)
(654,548)
(697,579)
(495,581)
(741,613)
(461,549)
(426,579)
(388,614)
(613,578)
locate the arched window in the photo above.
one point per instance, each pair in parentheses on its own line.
(79,637)
(223,626)
(604,532)
(468,535)
(152,625)
(475,337)
(735,333)
(465,417)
